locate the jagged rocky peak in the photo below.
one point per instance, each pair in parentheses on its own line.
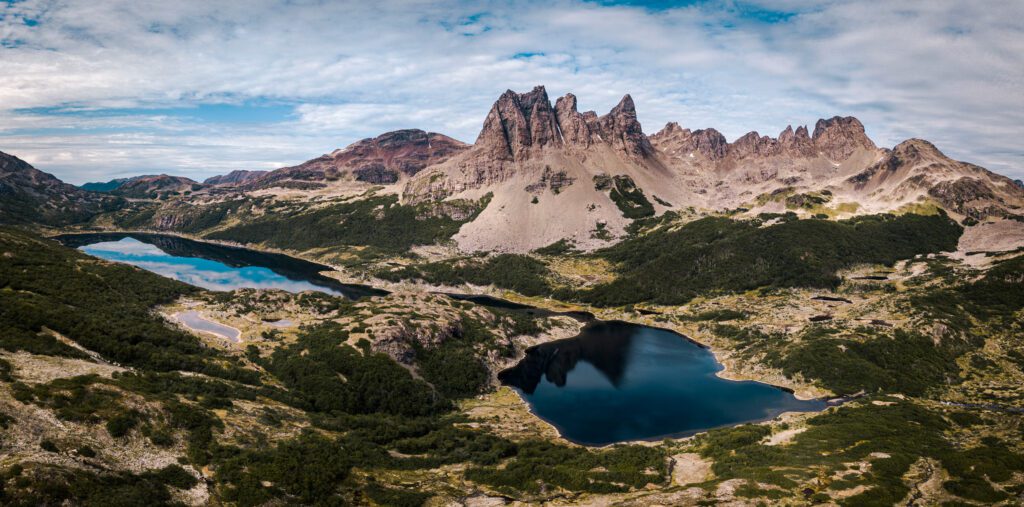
(519,123)
(796,142)
(838,137)
(670,129)
(622,130)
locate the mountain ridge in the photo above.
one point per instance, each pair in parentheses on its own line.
(552,173)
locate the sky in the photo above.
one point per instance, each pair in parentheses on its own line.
(95,90)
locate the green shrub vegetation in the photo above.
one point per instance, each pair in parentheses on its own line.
(331,377)
(904,362)
(104,307)
(540,465)
(671,266)
(996,296)
(903,431)
(50,485)
(560,247)
(629,198)
(520,273)
(379,222)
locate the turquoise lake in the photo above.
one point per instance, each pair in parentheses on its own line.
(214,267)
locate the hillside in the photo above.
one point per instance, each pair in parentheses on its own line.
(156,186)
(30,196)
(382,160)
(105,186)
(234,178)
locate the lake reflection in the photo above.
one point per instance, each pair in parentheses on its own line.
(618,382)
(214,267)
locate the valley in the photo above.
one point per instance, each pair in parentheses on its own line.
(413,320)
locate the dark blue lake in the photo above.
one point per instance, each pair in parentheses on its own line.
(618,382)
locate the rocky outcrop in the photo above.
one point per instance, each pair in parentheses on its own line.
(957,196)
(517,124)
(677,141)
(571,124)
(754,145)
(549,179)
(796,143)
(838,137)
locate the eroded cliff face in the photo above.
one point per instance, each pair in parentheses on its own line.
(521,125)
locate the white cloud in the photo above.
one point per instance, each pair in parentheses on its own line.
(947,71)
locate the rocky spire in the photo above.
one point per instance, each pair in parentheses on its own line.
(796,143)
(571,123)
(621,129)
(838,137)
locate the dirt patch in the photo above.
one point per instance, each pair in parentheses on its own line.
(690,468)
(36,369)
(784,436)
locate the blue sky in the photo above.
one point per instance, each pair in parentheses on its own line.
(97,90)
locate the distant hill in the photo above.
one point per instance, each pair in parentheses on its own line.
(234,178)
(154,186)
(30,196)
(105,186)
(384,160)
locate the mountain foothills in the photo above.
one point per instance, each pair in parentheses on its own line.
(815,261)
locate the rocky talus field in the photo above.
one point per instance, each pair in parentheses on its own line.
(888,280)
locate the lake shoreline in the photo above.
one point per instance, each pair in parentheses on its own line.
(555,307)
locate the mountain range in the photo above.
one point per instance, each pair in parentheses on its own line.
(554,173)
